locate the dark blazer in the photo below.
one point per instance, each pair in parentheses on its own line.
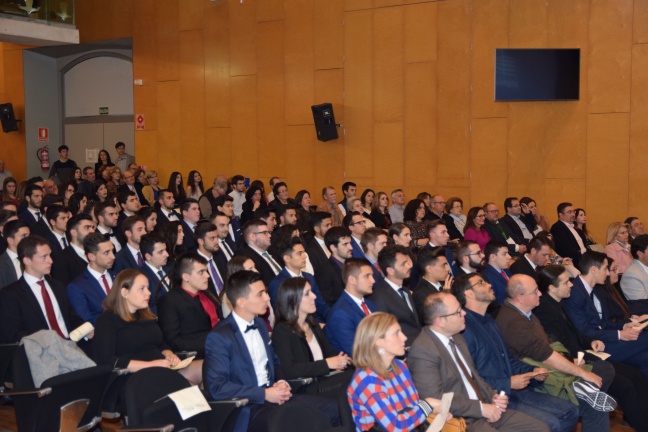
(22,315)
(67,266)
(267,273)
(515,230)
(138,190)
(40,228)
(421,292)
(316,255)
(162,219)
(184,322)
(356,251)
(329,281)
(323,309)
(391,302)
(522,266)
(415,276)
(27,217)
(228,368)
(8,273)
(125,260)
(565,242)
(238,233)
(157,288)
(54,243)
(452,228)
(119,233)
(86,295)
(189,243)
(495,234)
(343,321)
(295,355)
(497,281)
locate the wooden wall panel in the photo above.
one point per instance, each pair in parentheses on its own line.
(299,62)
(561,190)
(270,10)
(640,18)
(489,161)
(147,152)
(191,14)
(358,87)
(353,5)
(377,4)
(13,144)
(567,136)
(389,148)
(637,173)
(328,34)
(244,125)
(388,64)
(454,78)
(217,65)
(490,31)
(420,32)
(271,103)
(167,40)
(242,27)
(301,169)
(420,124)
(169,135)
(219,153)
(609,56)
(144,63)
(607,152)
(329,86)
(192,100)
(121,22)
(565,26)
(528,24)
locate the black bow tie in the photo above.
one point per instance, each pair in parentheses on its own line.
(110,234)
(251,327)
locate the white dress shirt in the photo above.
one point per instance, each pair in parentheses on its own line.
(257,350)
(36,289)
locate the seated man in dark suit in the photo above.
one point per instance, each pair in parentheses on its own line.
(190,212)
(87,186)
(35,302)
(72,261)
(130,257)
(500,232)
(316,248)
(131,184)
(391,296)
(256,244)
(10,270)
(241,363)
(498,368)
(433,266)
(373,241)
(330,281)
(496,271)
(440,362)
(534,260)
(222,223)
(6,215)
(209,249)
(469,258)
(130,205)
(188,312)
(33,198)
(164,208)
(294,258)
(57,217)
(225,204)
(568,242)
(154,251)
(88,291)
(352,306)
(355,223)
(106,215)
(514,222)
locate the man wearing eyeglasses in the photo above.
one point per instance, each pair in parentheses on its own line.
(355,223)
(257,242)
(469,258)
(437,202)
(500,232)
(440,362)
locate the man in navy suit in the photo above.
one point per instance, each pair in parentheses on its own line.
(88,291)
(222,223)
(10,270)
(351,307)
(57,216)
(34,199)
(534,260)
(241,363)
(373,241)
(435,277)
(208,248)
(496,271)
(355,223)
(154,251)
(72,261)
(568,242)
(318,253)
(165,208)
(255,247)
(588,313)
(190,212)
(106,214)
(130,205)
(225,204)
(330,281)
(469,258)
(294,258)
(130,257)
(513,220)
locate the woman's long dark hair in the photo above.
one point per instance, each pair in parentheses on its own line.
(192,184)
(170,234)
(289,298)
(177,191)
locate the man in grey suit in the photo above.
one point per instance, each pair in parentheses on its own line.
(10,271)
(440,363)
(634,282)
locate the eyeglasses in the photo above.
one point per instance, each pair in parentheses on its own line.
(439,202)
(454,313)
(480,283)
(359,222)
(492,211)
(262,232)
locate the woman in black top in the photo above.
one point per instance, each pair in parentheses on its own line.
(127,334)
(380,212)
(300,343)
(253,200)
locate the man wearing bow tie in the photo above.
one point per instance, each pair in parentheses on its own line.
(241,363)
(106,214)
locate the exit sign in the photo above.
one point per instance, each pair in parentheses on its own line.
(103,110)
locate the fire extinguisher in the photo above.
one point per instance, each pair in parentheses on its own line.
(43,156)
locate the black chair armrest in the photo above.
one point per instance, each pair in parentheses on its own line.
(38,392)
(297,383)
(165,428)
(237,402)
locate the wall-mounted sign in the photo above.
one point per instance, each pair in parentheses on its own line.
(139,121)
(43,135)
(103,110)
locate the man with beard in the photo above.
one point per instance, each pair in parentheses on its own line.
(496,271)
(433,265)
(469,258)
(72,261)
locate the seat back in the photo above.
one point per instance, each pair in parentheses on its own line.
(297,417)
(6,355)
(345,410)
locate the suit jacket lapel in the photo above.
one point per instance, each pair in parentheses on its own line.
(30,298)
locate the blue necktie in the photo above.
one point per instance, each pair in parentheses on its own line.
(217,279)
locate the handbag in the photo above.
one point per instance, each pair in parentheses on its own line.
(455,424)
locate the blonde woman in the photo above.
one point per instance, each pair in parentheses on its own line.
(617,246)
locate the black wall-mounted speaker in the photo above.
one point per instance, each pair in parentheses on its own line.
(7,118)
(324,122)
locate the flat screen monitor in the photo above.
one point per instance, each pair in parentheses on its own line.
(537,74)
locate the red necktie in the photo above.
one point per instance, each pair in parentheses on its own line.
(378,268)
(49,310)
(365,309)
(503,273)
(105,283)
